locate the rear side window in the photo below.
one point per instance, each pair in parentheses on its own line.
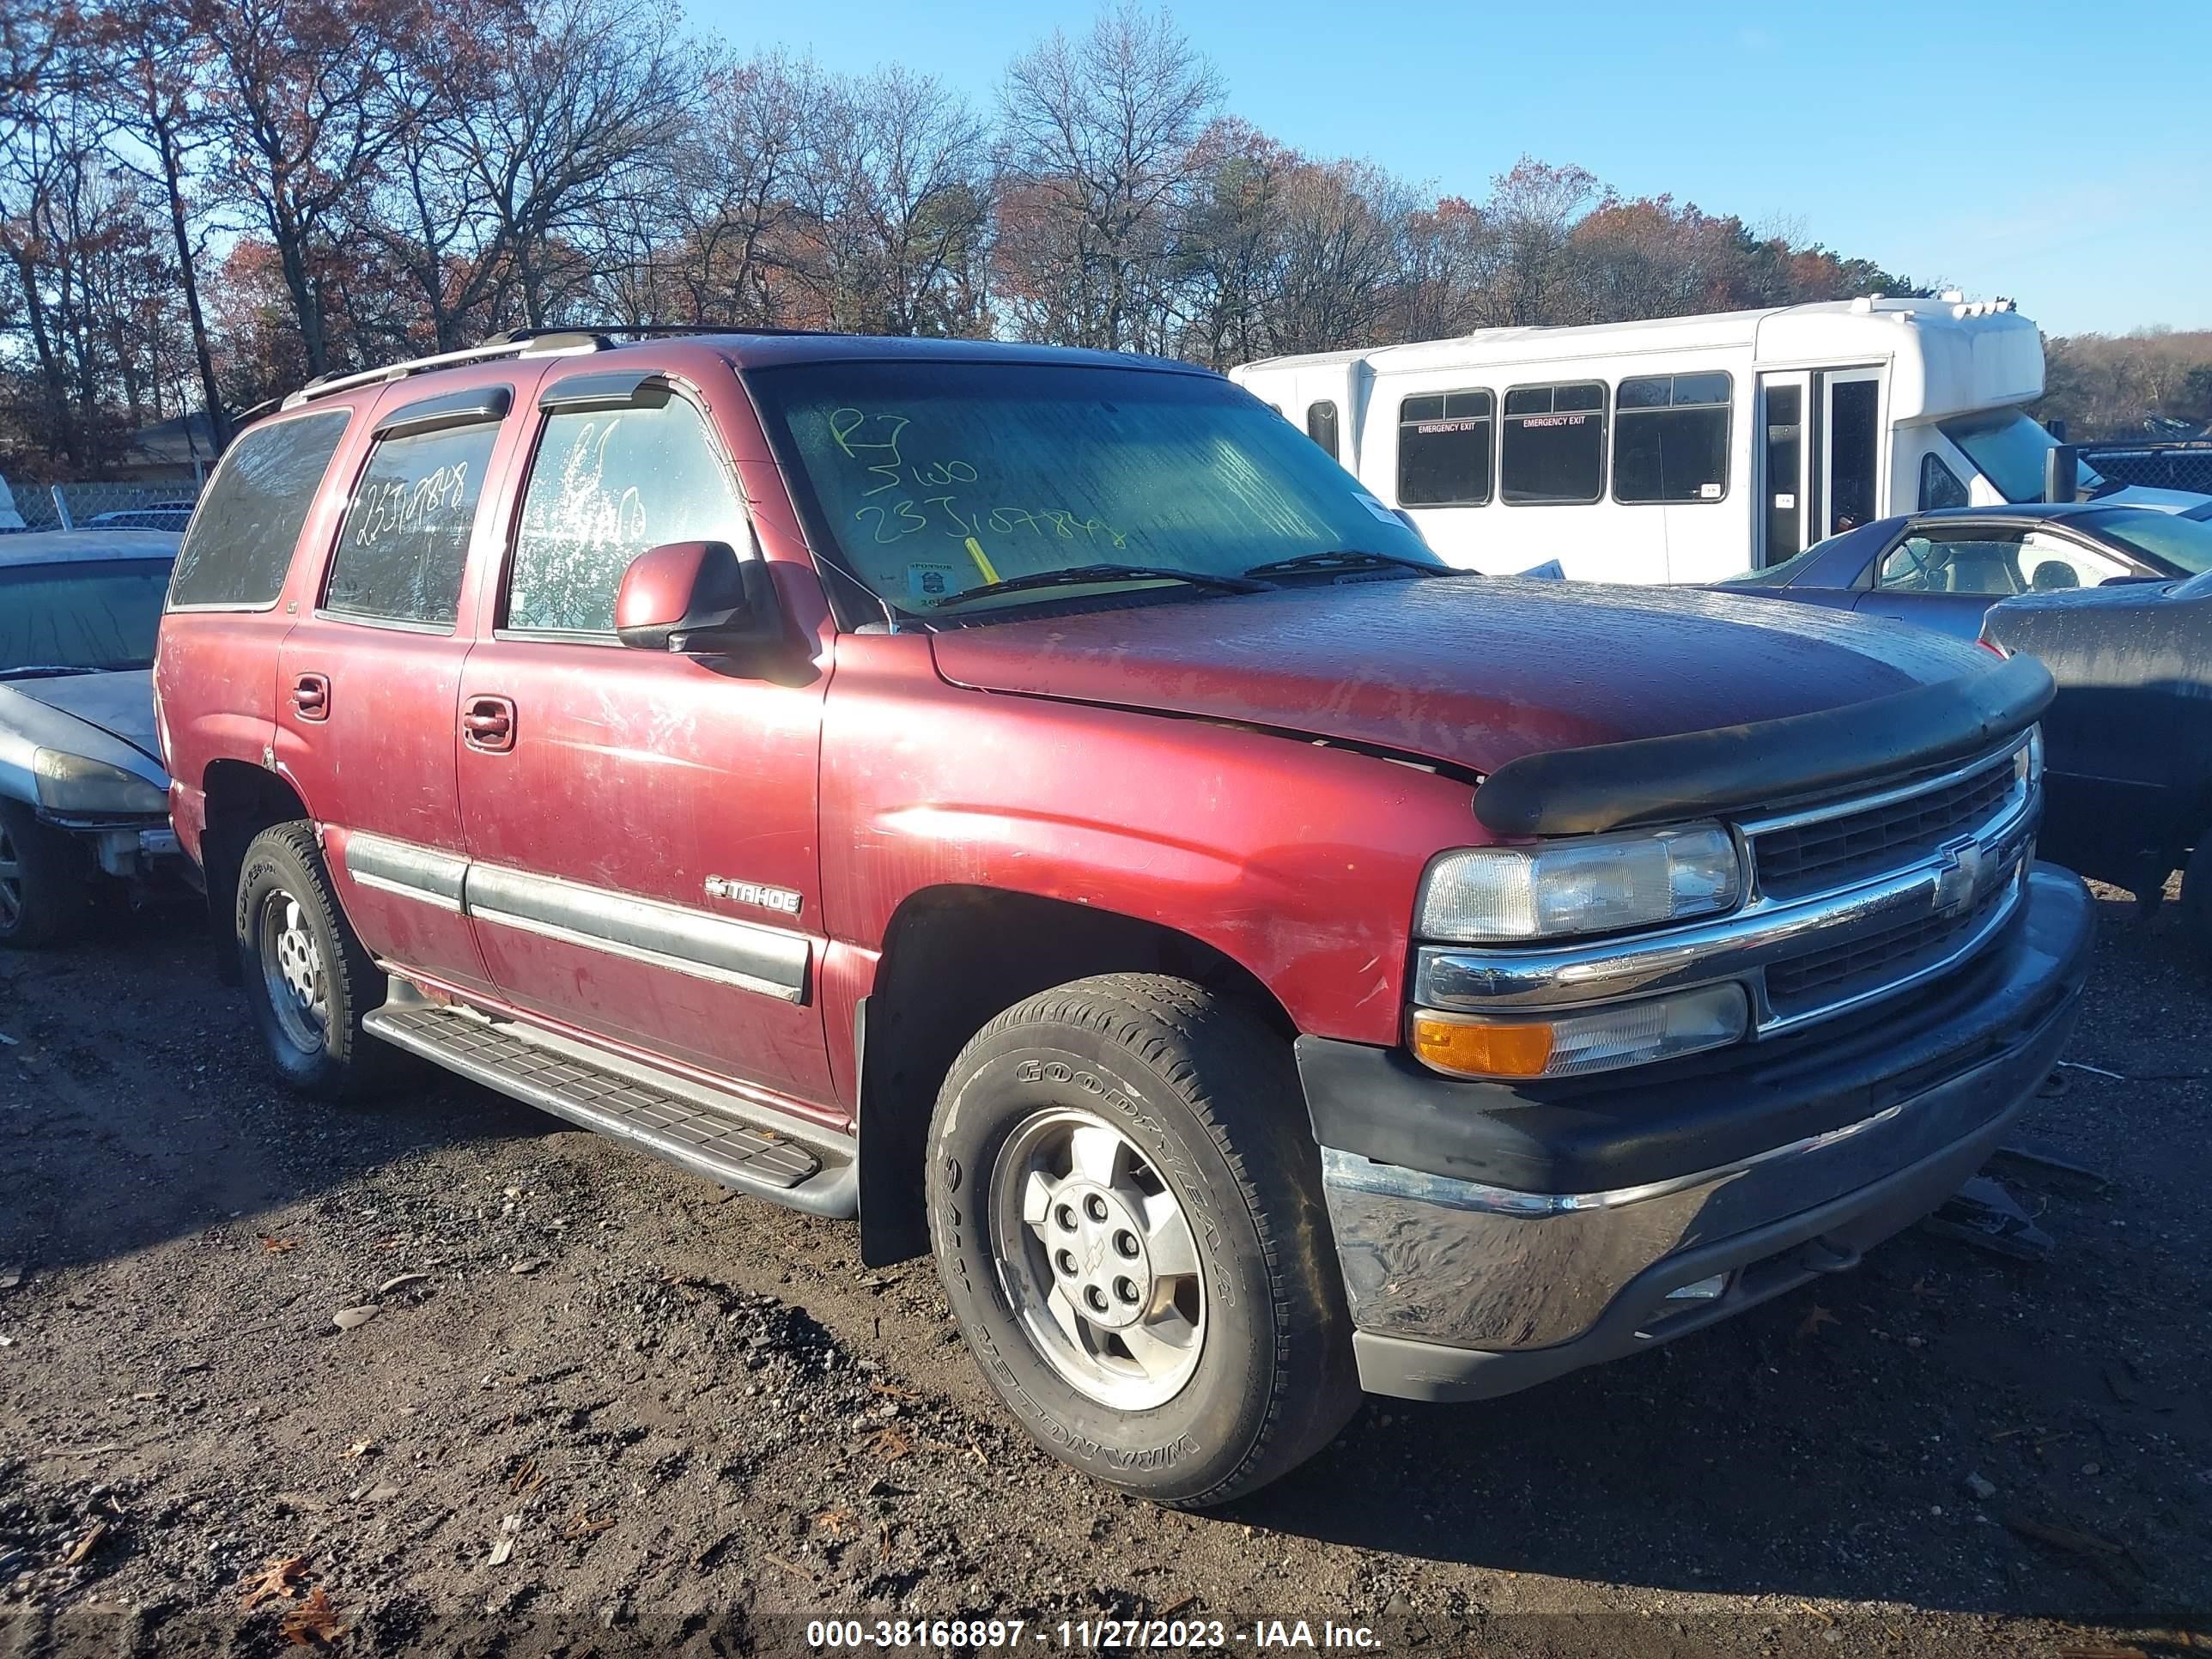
(406,537)
(1321,426)
(1552,451)
(1443,449)
(1671,438)
(240,545)
(607,486)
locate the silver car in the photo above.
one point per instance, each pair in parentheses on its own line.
(83,799)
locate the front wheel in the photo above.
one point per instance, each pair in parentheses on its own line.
(1125,1204)
(46,880)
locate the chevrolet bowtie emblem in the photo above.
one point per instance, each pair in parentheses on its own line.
(1959,880)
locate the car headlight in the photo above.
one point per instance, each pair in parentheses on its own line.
(2028,759)
(1591,885)
(70,783)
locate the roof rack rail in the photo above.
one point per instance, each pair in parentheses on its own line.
(527,342)
(545,343)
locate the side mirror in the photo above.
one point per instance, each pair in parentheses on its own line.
(695,597)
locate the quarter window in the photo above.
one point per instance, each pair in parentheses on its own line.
(1321,426)
(1671,438)
(1552,447)
(1939,485)
(608,485)
(406,535)
(1443,449)
(240,545)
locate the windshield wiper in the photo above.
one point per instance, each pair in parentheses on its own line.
(1349,558)
(1076,574)
(45,670)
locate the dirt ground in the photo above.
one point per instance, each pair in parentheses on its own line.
(597,1409)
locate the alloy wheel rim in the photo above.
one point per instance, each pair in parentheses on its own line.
(292,973)
(11,881)
(1097,1259)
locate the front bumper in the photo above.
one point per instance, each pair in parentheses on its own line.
(1494,1236)
(127,850)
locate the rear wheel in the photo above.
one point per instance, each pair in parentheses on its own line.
(1125,1203)
(308,980)
(46,880)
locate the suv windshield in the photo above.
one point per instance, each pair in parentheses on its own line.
(2008,448)
(79,618)
(929,480)
(2183,545)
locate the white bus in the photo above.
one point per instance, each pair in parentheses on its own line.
(1685,449)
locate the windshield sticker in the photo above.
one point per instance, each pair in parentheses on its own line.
(1377,508)
(1708,492)
(932,584)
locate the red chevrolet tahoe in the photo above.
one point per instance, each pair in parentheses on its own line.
(1036,804)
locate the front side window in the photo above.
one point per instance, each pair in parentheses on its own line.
(1939,486)
(1552,450)
(1988,566)
(1443,449)
(80,618)
(1321,427)
(926,480)
(1671,438)
(609,484)
(406,536)
(240,546)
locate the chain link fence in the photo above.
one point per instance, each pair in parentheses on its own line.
(124,506)
(2157,466)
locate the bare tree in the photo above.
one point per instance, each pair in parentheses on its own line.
(153,70)
(894,199)
(586,100)
(1099,138)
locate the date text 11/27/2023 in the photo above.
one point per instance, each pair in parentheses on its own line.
(1089,1635)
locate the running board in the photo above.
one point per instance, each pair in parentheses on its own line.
(818,1178)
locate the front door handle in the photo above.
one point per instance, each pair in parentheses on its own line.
(487,724)
(311,697)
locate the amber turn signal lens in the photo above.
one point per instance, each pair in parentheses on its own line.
(1478,1049)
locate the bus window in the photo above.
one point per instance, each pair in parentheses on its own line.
(1939,485)
(1321,426)
(1552,447)
(1443,449)
(1854,450)
(1670,438)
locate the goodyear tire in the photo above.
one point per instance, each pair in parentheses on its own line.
(308,979)
(1125,1205)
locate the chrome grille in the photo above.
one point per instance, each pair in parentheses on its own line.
(1841,972)
(1830,853)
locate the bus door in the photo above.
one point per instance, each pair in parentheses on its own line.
(1849,402)
(1781,464)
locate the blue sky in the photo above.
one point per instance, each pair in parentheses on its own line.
(2025,148)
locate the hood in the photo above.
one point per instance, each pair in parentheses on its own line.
(1475,671)
(53,714)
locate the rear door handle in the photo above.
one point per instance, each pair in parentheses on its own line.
(311,697)
(487,724)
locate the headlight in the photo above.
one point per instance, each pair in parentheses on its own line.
(1595,884)
(1575,1043)
(2028,759)
(70,783)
